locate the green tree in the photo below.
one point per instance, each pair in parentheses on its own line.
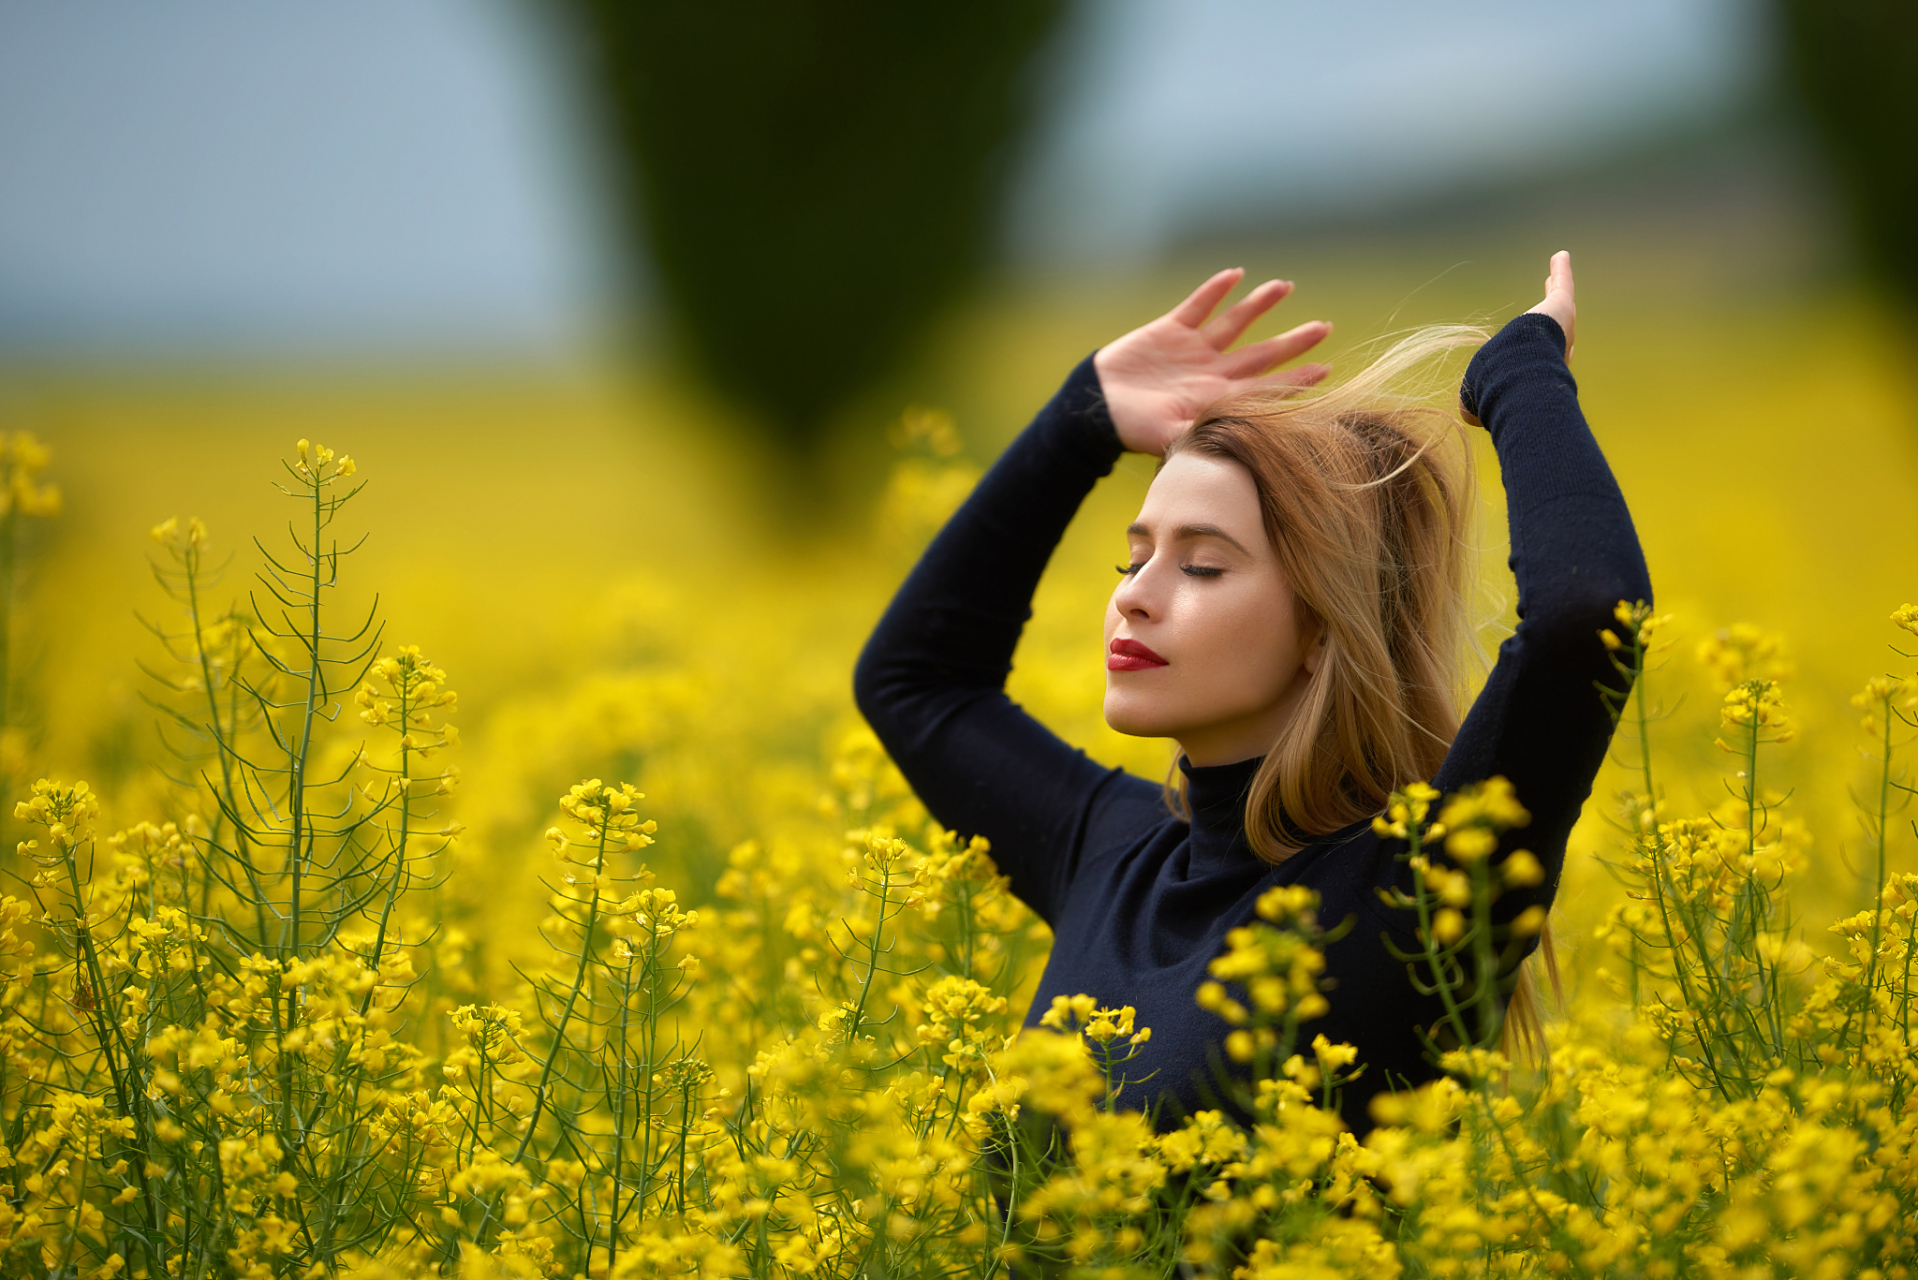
(812,180)
(1854,62)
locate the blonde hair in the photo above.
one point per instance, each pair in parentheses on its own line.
(1368,496)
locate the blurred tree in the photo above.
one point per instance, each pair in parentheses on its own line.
(813,180)
(1856,65)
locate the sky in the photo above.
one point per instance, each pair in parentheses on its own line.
(1179,114)
(410,176)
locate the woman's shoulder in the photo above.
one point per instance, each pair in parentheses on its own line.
(1124,808)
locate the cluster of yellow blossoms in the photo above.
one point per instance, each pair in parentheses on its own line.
(270,1036)
(22,459)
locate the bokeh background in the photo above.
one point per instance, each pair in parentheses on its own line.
(664,334)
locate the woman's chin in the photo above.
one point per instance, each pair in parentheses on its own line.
(1125,716)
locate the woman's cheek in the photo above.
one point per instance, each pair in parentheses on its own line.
(1244,664)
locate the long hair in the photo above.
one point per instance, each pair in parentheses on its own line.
(1368,495)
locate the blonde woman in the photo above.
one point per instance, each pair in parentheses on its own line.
(1290,612)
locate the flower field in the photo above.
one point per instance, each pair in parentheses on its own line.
(637,957)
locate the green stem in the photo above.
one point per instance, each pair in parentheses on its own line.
(649,1064)
(1878,889)
(128,1097)
(619,1115)
(540,1091)
(1680,968)
(399,852)
(1759,898)
(1483,960)
(1422,899)
(685,1129)
(222,745)
(299,838)
(857,1019)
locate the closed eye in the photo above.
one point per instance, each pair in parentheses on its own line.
(1190,570)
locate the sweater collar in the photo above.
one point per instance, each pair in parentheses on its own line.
(1217,794)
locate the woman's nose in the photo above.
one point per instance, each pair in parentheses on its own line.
(1133,598)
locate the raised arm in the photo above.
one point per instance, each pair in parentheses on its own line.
(931,681)
(1540,721)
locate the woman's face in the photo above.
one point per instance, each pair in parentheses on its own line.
(1203,640)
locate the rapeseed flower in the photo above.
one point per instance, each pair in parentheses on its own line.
(275,1029)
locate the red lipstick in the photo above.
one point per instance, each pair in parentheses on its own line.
(1130,655)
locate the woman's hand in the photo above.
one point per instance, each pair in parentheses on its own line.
(1558,305)
(1558,297)
(1158,377)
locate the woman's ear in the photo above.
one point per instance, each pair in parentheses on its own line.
(1315,648)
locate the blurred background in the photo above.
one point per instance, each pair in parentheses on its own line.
(619,306)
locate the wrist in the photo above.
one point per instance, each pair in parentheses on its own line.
(1531,345)
(1559,329)
(1116,402)
(1086,406)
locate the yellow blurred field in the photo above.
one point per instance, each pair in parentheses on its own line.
(554,537)
(812,1073)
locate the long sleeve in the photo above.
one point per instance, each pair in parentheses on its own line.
(1539,721)
(931,680)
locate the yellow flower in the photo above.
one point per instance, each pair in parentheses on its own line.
(1474,816)
(1756,707)
(1874,698)
(1333,1057)
(1742,653)
(1285,904)
(1521,869)
(1108,1025)
(22,457)
(1637,620)
(1068,1013)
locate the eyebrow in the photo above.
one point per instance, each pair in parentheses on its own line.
(1138,530)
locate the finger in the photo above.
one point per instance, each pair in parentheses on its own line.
(1192,312)
(1230,325)
(1561,288)
(1560,279)
(1269,353)
(1298,379)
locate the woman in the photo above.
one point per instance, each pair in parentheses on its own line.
(1290,614)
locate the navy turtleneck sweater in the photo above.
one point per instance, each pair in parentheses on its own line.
(1140,901)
